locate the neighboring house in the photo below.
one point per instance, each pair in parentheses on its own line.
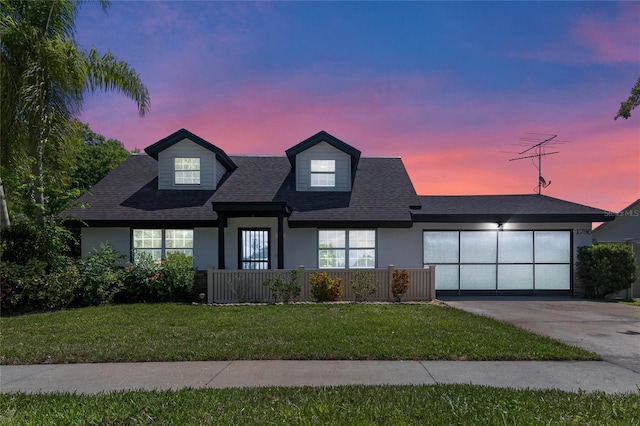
(626,228)
(323,205)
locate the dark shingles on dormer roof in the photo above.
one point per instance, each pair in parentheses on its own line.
(164,143)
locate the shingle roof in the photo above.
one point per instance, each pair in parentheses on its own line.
(129,194)
(504,208)
(381,195)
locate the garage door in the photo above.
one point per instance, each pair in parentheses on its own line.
(499,262)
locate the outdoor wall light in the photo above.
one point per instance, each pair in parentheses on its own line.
(500,225)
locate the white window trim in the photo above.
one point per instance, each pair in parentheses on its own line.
(347,249)
(163,241)
(330,171)
(180,171)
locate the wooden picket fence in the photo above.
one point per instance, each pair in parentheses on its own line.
(237,286)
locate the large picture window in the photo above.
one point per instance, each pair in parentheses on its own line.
(187,171)
(160,242)
(339,249)
(323,173)
(253,247)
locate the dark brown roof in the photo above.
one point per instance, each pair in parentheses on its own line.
(504,208)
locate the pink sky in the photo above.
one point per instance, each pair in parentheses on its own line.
(449,117)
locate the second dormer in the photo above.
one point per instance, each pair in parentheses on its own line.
(323,163)
(186,161)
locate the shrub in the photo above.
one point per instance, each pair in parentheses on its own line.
(38,287)
(136,280)
(400,283)
(606,268)
(177,279)
(284,290)
(325,288)
(363,286)
(101,276)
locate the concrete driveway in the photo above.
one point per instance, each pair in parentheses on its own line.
(612,330)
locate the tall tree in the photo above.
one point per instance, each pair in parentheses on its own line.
(43,78)
(632,102)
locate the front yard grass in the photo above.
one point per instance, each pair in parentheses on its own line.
(176,332)
(344,405)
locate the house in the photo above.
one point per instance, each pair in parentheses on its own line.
(325,206)
(626,228)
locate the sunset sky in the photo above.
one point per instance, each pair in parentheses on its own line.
(448,86)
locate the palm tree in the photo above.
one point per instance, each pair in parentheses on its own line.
(43,78)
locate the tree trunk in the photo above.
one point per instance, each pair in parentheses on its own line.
(4,211)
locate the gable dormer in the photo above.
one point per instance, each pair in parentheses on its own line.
(323,163)
(186,161)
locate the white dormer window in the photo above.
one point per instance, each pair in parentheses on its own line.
(187,171)
(323,173)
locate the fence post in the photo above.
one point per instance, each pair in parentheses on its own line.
(390,283)
(210,284)
(432,282)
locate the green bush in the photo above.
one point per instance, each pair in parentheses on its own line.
(606,268)
(177,280)
(325,288)
(138,279)
(101,276)
(284,290)
(38,287)
(35,272)
(363,286)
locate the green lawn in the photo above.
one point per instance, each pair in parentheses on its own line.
(175,332)
(344,405)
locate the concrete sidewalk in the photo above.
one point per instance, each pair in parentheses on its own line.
(97,378)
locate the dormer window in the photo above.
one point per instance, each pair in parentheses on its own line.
(187,171)
(323,173)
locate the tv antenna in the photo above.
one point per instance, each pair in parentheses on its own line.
(541,141)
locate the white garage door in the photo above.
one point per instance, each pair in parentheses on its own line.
(499,261)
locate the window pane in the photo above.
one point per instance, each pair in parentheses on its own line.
(325,166)
(179,238)
(156,254)
(477,277)
(187,171)
(515,247)
(332,258)
(187,163)
(147,238)
(552,246)
(332,239)
(362,258)
(515,277)
(440,247)
(478,247)
(362,239)
(447,277)
(553,277)
(323,179)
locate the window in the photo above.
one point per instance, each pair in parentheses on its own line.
(160,242)
(187,171)
(253,249)
(323,173)
(338,249)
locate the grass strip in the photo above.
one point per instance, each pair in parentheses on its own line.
(344,405)
(175,332)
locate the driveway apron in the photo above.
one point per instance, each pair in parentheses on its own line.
(612,330)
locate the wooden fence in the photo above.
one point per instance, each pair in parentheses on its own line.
(233,286)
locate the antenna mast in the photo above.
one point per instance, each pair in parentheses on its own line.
(538,150)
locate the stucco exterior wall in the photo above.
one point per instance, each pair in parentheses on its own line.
(118,238)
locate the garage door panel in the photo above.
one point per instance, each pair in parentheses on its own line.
(477,277)
(478,247)
(552,247)
(553,277)
(515,277)
(447,277)
(515,247)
